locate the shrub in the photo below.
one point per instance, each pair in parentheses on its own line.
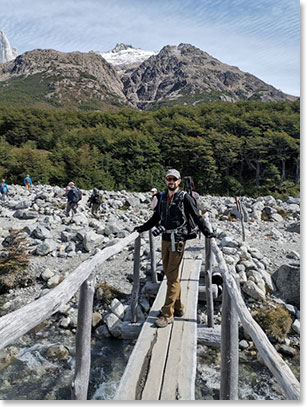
(274,320)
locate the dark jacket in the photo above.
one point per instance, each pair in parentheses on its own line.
(174,216)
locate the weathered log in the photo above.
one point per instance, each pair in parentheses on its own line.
(153,261)
(83,340)
(136,279)
(19,322)
(273,361)
(209,336)
(208,283)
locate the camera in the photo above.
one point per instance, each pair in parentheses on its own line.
(156,232)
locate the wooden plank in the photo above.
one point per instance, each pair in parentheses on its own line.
(19,322)
(182,349)
(137,367)
(156,367)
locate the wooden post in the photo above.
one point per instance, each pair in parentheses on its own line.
(208,282)
(153,261)
(83,340)
(136,279)
(229,349)
(240,209)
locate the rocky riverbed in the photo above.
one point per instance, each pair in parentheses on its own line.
(267,265)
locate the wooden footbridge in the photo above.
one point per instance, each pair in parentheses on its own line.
(162,365)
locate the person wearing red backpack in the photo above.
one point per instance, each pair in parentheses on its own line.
(171,219)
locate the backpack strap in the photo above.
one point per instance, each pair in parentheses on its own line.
(159,203)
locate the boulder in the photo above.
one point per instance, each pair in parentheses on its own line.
(45,247)
(294,227)
(287,281)
(114,324)
(251,288)
(92,240)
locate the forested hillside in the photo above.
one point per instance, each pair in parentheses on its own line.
(250,148)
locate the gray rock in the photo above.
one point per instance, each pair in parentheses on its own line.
(92,240)
(294,227)
(133,201)
(46,247)
(276,217)
(58,352)
(117,308)
(287,281)
(53,281)
(296,326)
(229,242)
(23,204)
(24,214)
(114,324)
(42,233)
(252,289)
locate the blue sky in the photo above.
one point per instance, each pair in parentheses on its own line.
(261,36)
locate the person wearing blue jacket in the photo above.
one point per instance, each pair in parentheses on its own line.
(4,190)
(28,182)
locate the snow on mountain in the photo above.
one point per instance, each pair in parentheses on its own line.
(124,54)
(6,52)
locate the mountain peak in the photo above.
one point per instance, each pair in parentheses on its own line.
(121,47)
(126,55)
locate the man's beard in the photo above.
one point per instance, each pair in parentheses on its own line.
(171,188)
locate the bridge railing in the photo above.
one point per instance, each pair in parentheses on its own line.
(234,307)
(21,321)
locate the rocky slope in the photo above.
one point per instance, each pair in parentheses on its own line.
(74,80)
(187,75)
(267,266)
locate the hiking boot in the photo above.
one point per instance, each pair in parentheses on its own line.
(178,313)
(162,322)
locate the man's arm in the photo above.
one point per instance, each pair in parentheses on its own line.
(153,221)
(192,210)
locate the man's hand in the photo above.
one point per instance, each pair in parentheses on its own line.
(211,234)
(137,229)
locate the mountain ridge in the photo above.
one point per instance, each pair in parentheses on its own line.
(146,80)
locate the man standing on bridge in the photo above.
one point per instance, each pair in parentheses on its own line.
(171,219)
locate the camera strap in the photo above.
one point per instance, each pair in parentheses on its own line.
(172,233)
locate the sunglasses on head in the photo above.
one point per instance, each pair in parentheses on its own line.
(171,179)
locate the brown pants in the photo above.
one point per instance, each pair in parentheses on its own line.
(171,262)
(71,207)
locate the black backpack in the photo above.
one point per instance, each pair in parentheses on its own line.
(192,228)
(76,195)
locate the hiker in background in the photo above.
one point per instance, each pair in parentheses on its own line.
(4,190)
(171,219)
(155,195)
(94,201)
(28,182)
(71,193)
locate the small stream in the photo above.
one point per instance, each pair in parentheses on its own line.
(31,375)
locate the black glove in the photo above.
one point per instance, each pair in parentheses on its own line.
(211,234)
(137,229)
